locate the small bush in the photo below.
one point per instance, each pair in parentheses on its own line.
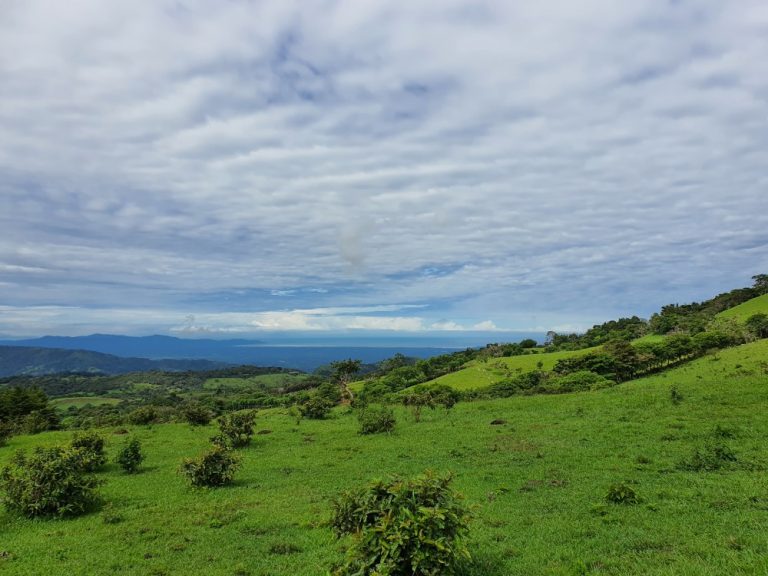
(196,414)
(6,431)
(143,416)
(216,467)
(675,396)
(235,429)
(39,421)
(316,408)
(708,459)
(621,494)
(376,420)
(130,456)
(49,482)
(402,527)
(90,446)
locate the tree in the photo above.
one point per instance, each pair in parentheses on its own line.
(758,325)
(343,372)
(761,283)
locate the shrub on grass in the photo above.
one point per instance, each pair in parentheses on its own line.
(675,395)
(143,416)
(49,482)
(316,408)
(213,468)
(621,494)
(6,431)
(130,456)
(39,421)
(708,459)
(235,429)
(402,527)
(196,414)
(376,420)
(90,446)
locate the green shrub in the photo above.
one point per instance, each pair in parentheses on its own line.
(6,431)
(675,396)
(376,420)
(621,494)
(143,416)
(316,408)
(49,482)
(90,446)
(235,429)
(402,527)
(708,459)
(39,421)
(216,467)
(130,456)
(580,381)
(196,414)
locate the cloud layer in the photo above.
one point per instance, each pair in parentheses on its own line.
(521,164)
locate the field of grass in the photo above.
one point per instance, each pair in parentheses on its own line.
(537,484)
(480,373)
(260,382)
(750,307)
(80,401)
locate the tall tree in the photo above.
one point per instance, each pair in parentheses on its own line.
(343,372)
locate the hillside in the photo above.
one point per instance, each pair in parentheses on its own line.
(20,360)
(480,373)
(537,485)
(743,311)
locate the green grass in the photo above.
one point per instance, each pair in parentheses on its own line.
(480,373)
(80,401)
(743,311)
(537,485)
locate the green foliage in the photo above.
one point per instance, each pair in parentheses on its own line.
(130,456)
(403,528)
(580,381)
(49,482)
(712,457)
(90,446)
(215,467)
(235,429)
(675,396)
(196,414)
(143,416)
(621,493)
(376,420)
(430,397)
(316,407)
(758,325)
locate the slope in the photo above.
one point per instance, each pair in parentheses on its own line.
(743,311)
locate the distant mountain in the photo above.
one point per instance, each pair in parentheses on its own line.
(23,360)
(235,351)
(156,347)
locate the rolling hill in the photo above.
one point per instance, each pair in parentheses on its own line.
(21,360)
(743,311)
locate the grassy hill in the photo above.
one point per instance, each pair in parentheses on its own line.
(537,485)
(480,373)
(747,309)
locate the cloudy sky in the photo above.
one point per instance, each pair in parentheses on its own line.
(211,166)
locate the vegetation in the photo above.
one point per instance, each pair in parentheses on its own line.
(407,527)
(130,456)
(213,468)
(90,447)
(49,482)
(376,420)
(235,429)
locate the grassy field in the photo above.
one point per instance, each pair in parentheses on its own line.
(536,483)
(750,307)
(80,401)
(479,373)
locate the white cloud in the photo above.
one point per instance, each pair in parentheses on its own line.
(563,161)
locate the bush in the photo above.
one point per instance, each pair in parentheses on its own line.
(143,416)
(621,494)
(579,381)
(130,456)
(235,429)
(316,408)
(675,396)
(50,482)
(709,459)
(376,420)
(39,421)
(402,527)
(196,414)
(90,446)
(216,467)
(6,431)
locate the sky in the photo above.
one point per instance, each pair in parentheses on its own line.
(229,167)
